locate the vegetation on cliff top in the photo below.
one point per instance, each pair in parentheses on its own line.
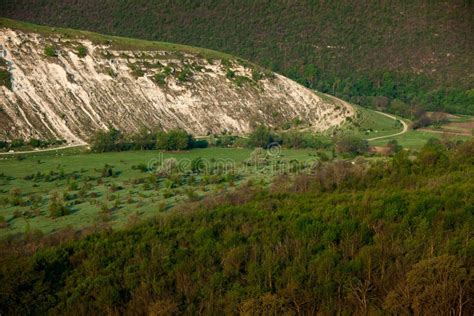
(382,54)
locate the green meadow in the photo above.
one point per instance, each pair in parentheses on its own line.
(120,188)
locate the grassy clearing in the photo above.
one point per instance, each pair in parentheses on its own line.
(456,124)
(368,124)
(27,186)
(415,139)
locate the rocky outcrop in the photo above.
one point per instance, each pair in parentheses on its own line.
(68,88)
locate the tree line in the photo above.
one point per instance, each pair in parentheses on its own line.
(114,140)
(260,137)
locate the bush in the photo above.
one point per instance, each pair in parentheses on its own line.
(82,51)
(168,167)
(185,74)
(351,145)
(198,165)
(50,51)
(230,74)
(257,157)
(5,78)
(136,70)
(177,139)
(394,147)
(111,140)
(421,122)
(160,78)
(17,143)
(3,222)
(57,208)
(261,137)
(200,143)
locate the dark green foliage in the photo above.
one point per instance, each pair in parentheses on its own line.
(295,139)
(17,143)
(185,74)
(137,71)
(160,78)
(5,76)
(50,51)
(111,140)
(410,53)
(345,240)
(174,140)
(261,137)
(351,145)
(230,74)
(82,51)
(145,139)
(3,222)
(32,143)
(394,147)
(56,207)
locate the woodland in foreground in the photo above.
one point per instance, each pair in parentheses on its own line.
(389,236)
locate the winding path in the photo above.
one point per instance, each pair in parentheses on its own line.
(42,150)
(405,127)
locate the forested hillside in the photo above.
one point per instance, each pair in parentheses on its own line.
(394,236)
(388,54)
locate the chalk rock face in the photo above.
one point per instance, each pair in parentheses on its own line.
(69,88)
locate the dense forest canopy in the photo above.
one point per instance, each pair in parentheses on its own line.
(387,54)
(389,236)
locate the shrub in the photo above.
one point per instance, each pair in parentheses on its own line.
(3,222)
(257,157)
(82,51)
(230,74)
(169,166)
(176,139)
(50,51)
(261,137)
(421,122)
(198,165)
(200,143)
(257,75)
(5,78)
(160,78)
(351,145)
(111,140)
(394,147)
(136,70)
(185,74)
(17,143)
(57,208)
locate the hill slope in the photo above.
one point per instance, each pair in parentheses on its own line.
(417,52)
(68,84)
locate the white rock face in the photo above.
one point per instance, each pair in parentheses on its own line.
(68,97)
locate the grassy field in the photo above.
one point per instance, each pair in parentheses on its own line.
(114,188)
(457,128)
(121,188)
(368,124)
(415,139)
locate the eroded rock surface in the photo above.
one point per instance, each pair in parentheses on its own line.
(70,97)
